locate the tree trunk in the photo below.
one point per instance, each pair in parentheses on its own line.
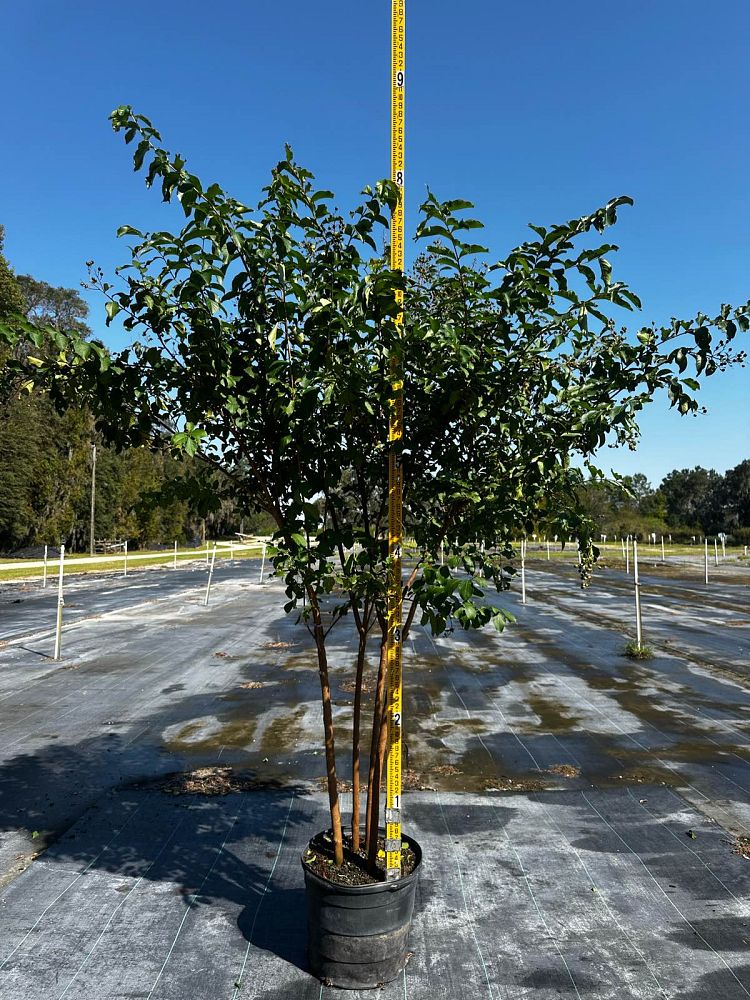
(380,762)
(373,788)
(325,690)
(357,714)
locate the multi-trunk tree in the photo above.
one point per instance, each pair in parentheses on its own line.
(263,338)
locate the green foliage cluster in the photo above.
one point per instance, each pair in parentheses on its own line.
(638,651)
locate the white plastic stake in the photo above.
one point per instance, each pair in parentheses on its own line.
(210,576)
(206,553)
(716,552)
(44,572)
(262,563)
(523,571)
(723,547)
(442,553)
(126,558)
(231,550)
(627,555)
(663,558)
(622,543)
(175,554)
(636,581)
(548,550)
(706,559)
(60,603)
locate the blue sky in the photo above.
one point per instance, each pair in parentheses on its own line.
(537,112)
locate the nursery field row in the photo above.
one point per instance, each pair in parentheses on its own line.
(605,797)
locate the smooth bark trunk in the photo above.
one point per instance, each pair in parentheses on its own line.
(325,690)
(377,714)
(356,720)
(372,843)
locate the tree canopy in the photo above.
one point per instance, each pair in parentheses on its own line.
(264,340)
(262,343)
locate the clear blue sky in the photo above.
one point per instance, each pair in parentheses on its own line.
(537,112)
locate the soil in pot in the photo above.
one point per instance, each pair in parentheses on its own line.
(319,859)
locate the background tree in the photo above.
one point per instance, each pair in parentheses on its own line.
(735,498)
(11,297)
(46,305)
(45,456)
(627,505)
(692,499)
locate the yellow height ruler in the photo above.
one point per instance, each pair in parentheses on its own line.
(395,434)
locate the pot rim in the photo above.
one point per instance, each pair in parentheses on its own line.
(372,887)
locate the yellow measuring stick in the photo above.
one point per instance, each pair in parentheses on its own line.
(395,434)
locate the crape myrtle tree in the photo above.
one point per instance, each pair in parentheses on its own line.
(263,341)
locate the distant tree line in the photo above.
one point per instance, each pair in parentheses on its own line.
(46,459)
(687,502)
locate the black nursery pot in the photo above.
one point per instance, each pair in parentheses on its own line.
(358,935)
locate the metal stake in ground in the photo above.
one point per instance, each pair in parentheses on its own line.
(210,576)
(637,582)
(395,441)
(60,603)
(92,546)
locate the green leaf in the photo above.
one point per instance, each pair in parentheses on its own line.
(703,338)
(112,309)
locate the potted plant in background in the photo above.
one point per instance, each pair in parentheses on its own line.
(264,336)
